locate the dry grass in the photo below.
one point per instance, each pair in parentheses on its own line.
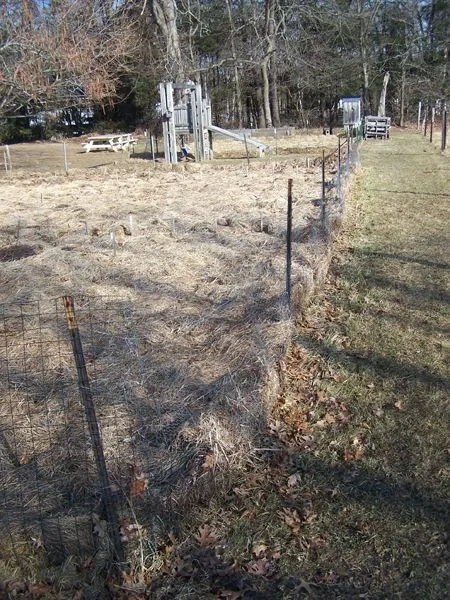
(348,497)
(188,320)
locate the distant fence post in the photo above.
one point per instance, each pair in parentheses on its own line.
(7,158)
(418,116)
(431,125)
(322,210)
(94,432)
(339,168)
(66,166)
(444,129)
(289,244)
(348,150)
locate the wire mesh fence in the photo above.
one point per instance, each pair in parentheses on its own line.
(65,408)
(53,498)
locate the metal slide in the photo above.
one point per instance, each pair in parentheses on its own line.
(236,136)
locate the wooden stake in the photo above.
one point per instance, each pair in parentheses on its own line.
(66,166)
(246,151)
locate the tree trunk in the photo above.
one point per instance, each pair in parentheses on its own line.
(237,79)
(363,49)
(260,108)
(382,103)
(402,96)
(273,89)
(270,32)
(165,12)
(266,95)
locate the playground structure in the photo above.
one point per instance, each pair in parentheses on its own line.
(191,115)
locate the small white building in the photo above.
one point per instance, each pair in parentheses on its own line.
(351,107)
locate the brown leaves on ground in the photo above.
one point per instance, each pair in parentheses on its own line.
(304,409)
(291,517)
(139,485)
(206,536)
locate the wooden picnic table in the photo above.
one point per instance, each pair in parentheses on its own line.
(110,141)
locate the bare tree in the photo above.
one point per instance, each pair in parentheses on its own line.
(165,12)
(65,55)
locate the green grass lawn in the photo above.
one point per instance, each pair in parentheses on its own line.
(380,334)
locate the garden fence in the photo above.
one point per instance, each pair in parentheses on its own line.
(76,455)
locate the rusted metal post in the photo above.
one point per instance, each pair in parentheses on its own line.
(289,244)
(322,210)
(94,432)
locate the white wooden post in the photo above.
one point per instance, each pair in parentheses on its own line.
(419,115)
(170,146)
(66,166)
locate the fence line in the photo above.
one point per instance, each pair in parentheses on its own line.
(73,475)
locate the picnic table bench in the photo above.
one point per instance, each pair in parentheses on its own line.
(115,142)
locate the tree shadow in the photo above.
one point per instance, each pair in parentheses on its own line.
(406,289)
(413,192)
(361,360)
(403,258)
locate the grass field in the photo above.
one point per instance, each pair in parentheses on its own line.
(349,496)
(346,495)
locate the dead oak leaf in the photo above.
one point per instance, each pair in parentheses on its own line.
(259,550)
(261,566)
(291,517)
(209,462)
(139,485)
(206,536)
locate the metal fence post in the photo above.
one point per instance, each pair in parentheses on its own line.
(289,244)
(444,130)
(94,432)
(322,216)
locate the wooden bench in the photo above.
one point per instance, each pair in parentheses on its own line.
(114,142)
(377,127)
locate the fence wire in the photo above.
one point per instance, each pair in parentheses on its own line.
(52,504)
(52,500)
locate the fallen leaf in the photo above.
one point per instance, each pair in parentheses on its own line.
(294,479)
(231,594)
(259,567)
(206,536)
(209,462)
(139,485)
(38,590)
(247,514)
(129,530)
(291,517)
(399,405)
(304,586)
(259,549)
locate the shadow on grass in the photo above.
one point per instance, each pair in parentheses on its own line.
(403,258)
(402,192)
(405,320)
(365,486)
(359,361)
(410,290)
